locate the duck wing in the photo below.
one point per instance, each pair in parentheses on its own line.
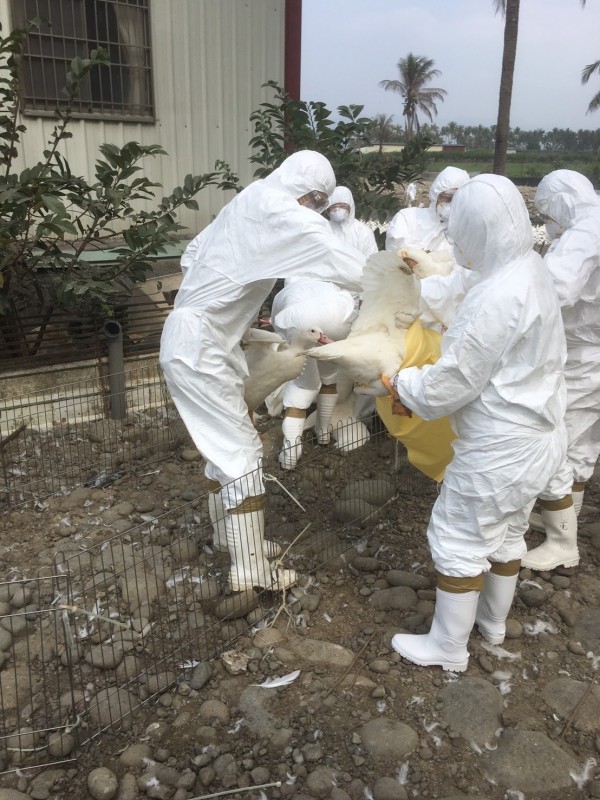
(364,357)
(391,296)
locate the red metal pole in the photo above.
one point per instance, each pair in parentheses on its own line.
(293,47)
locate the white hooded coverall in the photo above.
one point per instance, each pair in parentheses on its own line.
(305,304)
(352,230)
(573,261)
(500,378)
(422,227)
(229,269)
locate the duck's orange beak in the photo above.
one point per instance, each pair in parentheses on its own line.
(324,339)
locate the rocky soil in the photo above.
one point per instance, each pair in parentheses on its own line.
(353,720)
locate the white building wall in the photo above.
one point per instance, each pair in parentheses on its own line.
(210,59)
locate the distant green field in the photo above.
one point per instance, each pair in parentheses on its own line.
(527,169)
(519,165)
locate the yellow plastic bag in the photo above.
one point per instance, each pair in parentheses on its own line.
(428,444)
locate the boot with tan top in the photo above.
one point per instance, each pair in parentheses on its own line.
(250,568)
(216,512)
(560,548)
(577,493)
(446,643)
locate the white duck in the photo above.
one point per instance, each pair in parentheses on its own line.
(273,361)
(376,343)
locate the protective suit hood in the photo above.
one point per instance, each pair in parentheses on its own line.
(449,178)
(341,194)
(303,172)
(499,233)
(565,195)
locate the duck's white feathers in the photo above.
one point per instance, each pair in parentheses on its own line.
(377,340)
(390,297)
(365,357)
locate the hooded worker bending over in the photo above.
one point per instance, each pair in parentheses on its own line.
(500,378)
(304,304)
(271,230)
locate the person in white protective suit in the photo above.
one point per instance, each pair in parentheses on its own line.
(426,228)
(272,229)
(341,212)
(301,305)
(572,209)
(305,304)
(500,378)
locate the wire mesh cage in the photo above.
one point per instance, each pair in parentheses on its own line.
(65,436)
(145,610)
(39,710)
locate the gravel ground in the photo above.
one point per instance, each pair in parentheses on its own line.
(356,721)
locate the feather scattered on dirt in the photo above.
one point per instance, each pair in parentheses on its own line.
(273,683)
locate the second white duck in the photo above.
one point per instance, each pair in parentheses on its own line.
(272,361)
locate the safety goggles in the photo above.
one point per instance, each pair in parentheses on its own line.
(315,200)
(445,196)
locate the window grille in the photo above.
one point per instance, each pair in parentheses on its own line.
(72,28)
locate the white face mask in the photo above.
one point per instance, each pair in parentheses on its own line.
(553,229)
(443,212)
(339,215)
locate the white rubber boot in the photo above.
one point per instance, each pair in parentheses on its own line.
(292,428)
(216,511)
(325,406)
(577,500)
(249,567)
(494,604)
(560,547)
(535,520)
(446,643)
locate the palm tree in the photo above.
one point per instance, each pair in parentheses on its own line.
(415,73)
(382,129)
(587,73)
(510,9)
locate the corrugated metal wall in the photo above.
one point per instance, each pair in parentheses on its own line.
(210,58)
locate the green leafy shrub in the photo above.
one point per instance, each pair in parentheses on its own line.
(286,125)
(50,215)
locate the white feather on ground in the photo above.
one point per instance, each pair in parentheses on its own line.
(377,339)
(273,361)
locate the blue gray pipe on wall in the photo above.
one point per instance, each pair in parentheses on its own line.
(116,368)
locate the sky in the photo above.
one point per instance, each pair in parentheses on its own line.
(348,46)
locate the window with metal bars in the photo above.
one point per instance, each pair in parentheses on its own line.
(72,28)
